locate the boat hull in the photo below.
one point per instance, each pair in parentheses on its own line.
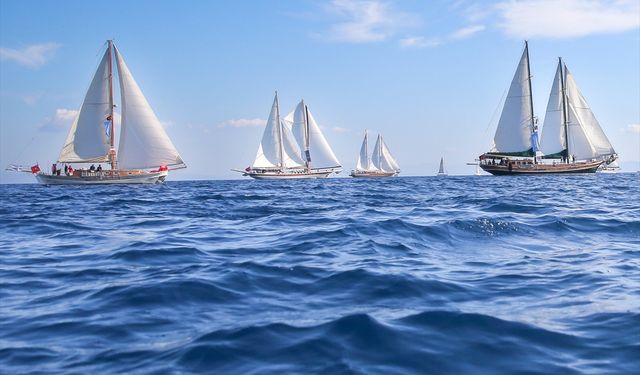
(287,176)
(536,169)
(372,174)
(107,178)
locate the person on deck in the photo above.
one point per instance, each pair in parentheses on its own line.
(92,168)
(99,168)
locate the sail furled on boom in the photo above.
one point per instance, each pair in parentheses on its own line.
(87,141)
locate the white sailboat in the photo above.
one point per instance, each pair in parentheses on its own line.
(571,132)
(145,152)
(292,148)
(380,164)
(441,170)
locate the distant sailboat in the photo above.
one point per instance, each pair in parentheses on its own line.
(612,167)
(441,170)
(571,132)
(380,164)
(145,151)
(292,148)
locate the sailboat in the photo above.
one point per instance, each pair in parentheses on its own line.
(571,134)
(145,151)
(292,147)
(441,170)
(380,164)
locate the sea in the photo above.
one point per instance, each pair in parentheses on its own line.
(408,275)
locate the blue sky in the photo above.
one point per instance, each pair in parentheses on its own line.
(429,75)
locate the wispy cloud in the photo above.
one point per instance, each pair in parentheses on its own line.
(61,120)
(419,42)
(365,21)
(339,129)
(466,32)
(567,18)
(243,123)
(633,128)
(33,56)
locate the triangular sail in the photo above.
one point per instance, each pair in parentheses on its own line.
(143,141)
(87,141)
(586,138)
(553,140)
(364,161)
(277,149)
(513,134)
(441,169)
(310,138)
(388,158)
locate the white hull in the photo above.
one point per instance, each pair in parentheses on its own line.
(287,176)
(104,178)
(372,174)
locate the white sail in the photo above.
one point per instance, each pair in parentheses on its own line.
(586,138)
(310,138)
(514,128)
(441,170)
(87,140)
(553,132)
(143,141)
(364,161)
(381,157)
(277,149)
(388,158)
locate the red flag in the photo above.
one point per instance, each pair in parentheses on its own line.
(35,169)
(163,168)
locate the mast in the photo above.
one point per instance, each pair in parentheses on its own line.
(112,138)
(533,124)
(307,154)
(366,148)
(565,121)
(279,129)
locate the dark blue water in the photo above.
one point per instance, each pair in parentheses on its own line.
(477,275)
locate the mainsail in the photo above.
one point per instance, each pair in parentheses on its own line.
(143,141)
(277,148)
(515,128)
(586,138)
(441,170)
(364,161)
(381,157)
(87,141)
(553,140)
(315,149)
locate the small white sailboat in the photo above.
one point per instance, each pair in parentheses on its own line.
(442,171)
(292,148)
(570,133)
(612,167)
(380,164)
(145,152)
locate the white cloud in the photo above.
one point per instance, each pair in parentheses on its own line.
(243,123)
(419,42)
(365,21)
(567,18)
(466,32)
(61,120)
(633,128)
(339,129)
(33,56)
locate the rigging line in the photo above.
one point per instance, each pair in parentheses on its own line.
(495,112)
